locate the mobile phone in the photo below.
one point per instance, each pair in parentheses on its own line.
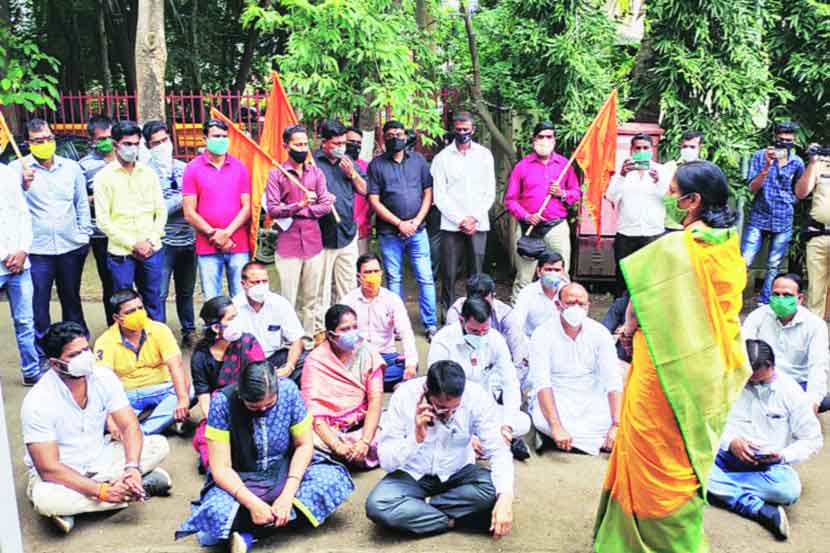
(644,165)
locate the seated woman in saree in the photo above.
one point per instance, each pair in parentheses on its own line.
(343,388)
(689,365)
(264,472)
(217,359)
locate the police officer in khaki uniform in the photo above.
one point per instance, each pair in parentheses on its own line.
(816,181)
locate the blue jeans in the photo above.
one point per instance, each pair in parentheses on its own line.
(180,263)
(210,272)
(19,289)
(394,370)
(161,398)
(63,270)
(392,249)
(751,243)
(146,274)
(745,488)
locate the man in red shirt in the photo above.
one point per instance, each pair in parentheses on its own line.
(532,179)
(216,201)
(299,252)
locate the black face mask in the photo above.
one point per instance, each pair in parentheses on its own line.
(463,137)
(352,150)
(297,155)
(395,144)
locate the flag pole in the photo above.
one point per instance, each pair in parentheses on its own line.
(5,128)
(568,165)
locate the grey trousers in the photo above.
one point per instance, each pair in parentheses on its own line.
(400,502)
(456,247)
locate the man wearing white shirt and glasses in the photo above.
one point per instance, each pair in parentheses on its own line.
(464,188)
(770,428)
(425,444)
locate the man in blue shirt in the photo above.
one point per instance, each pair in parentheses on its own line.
(55,190)
(179,239)
(400,192)
(773,172)
(102,153)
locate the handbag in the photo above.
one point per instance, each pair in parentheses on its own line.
(533,245)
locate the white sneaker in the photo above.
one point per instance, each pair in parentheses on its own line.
(238,543)
(63,523)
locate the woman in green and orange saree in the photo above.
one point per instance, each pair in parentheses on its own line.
(689,365)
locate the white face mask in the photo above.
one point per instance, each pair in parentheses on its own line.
(575,315)
(162,154)
(689,154)
(258,292)
(80,366)
(543,149)
(233,331)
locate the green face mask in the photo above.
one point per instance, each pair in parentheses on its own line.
(104,145)
(783,306)
(641,156)
(217,145)
(674,213)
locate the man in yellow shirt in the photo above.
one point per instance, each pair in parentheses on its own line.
(146,358)
(130,210)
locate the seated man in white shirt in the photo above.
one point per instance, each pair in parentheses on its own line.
(770,428)
(576,377)
(637,192)
(272,321)
(73,469)
(798,337)
(483,354)
(425,444)
(382,319)
(483,286)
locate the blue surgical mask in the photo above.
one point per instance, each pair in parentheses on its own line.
(348,341)
(763,389)
(473,340)
(551,281)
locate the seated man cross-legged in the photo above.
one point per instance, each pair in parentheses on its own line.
(576,376)
(145,356)
(272,320)
(425,444)
(483,354)
(770,428)
(343,388)
(381,318)
(72,468)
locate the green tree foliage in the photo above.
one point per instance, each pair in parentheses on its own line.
(27,75)
(711,72)
(341,53)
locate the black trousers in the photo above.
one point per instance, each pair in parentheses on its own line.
(456,247)
(623,247)
(99,250)
(278,359)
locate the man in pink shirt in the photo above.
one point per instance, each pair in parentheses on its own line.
(532,180)
(381,316)
(299,253)
(216,201)
(362,210)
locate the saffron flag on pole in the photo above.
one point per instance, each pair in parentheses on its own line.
(597,156)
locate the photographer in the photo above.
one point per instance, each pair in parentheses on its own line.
(816,181)
(773,172)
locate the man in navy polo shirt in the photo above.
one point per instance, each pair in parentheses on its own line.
(400,192)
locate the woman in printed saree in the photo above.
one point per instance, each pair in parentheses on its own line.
(263,468)
(217,359)
(343,388)
(689,365)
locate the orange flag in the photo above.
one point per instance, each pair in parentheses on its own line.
(597,156)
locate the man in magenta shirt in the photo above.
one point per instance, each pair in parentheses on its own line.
(299,254)
(362,210)
(216,201)
(532,180)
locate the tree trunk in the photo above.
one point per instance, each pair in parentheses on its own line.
(244,70)
(103,45)
(194,46)
(123,35)
(649,109)
(150,60)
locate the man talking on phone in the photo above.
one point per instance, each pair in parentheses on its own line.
(425,444)
(770,428)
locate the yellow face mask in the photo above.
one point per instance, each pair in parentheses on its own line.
(372,282)
(43,151)
(135,320)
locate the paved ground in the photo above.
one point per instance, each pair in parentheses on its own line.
(554,510)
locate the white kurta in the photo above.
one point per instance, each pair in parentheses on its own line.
(581,373)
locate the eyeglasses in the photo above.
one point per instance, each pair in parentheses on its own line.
(42,140)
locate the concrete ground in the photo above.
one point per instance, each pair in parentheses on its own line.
(554,509)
